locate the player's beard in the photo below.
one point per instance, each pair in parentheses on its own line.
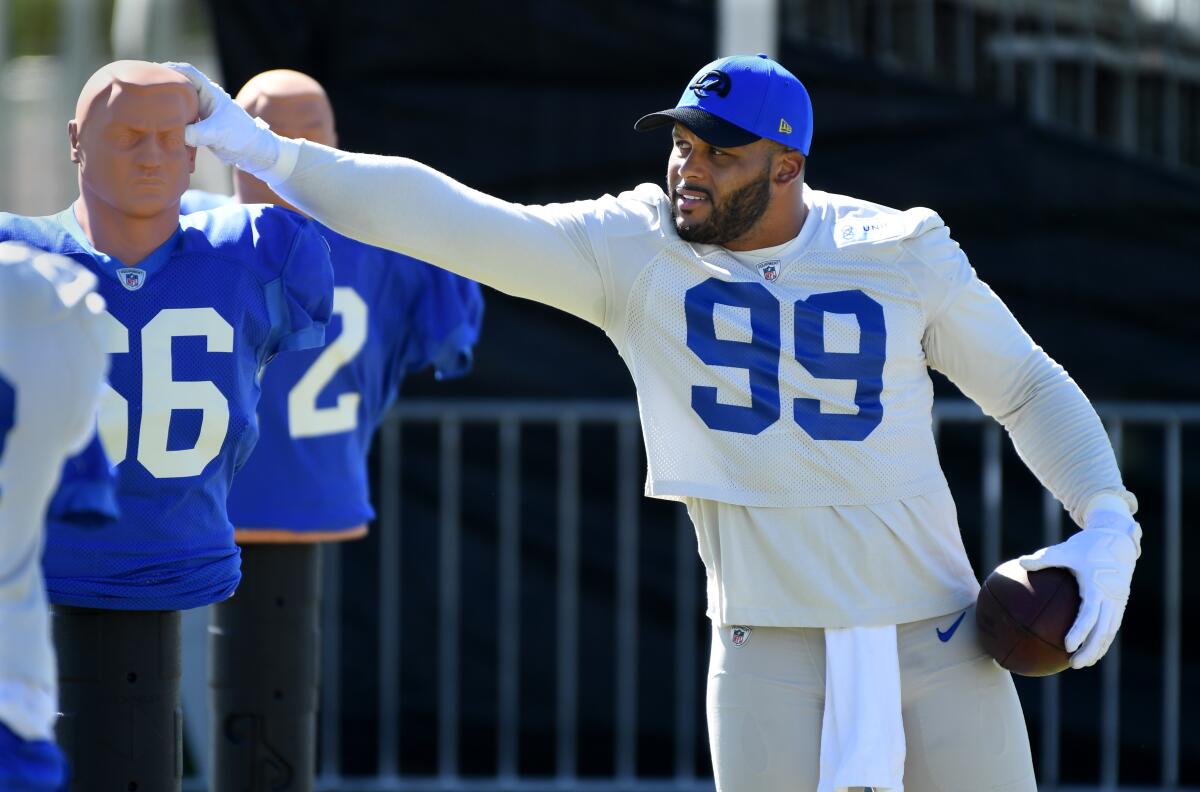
(731,218)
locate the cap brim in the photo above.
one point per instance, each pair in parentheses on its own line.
(711,129)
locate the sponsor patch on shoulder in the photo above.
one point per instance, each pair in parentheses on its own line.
(739,634)
(855,231)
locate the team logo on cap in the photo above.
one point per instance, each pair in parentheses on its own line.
(131,278)
(713,82)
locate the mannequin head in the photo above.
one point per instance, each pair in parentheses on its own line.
(295,106)
(127,142)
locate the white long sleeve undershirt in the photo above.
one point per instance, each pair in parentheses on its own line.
(787,566)
(533,252)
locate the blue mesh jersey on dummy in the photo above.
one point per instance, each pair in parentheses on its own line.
(87,489)
(189,329)
(393,315)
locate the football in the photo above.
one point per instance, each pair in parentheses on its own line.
(1024,617)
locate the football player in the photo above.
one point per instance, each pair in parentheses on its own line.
(52,365)
(779,338)
(306,482)
(196,307)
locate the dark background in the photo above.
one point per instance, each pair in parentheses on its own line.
(1094,251)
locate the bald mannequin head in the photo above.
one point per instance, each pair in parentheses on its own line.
(126,74)
(295,106)
(127,141)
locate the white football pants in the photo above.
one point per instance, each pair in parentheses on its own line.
(963,723)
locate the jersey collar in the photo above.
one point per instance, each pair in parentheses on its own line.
(150,265)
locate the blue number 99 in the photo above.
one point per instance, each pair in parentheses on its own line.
(864,366)
(759,355)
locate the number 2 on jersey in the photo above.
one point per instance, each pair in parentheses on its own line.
(760,357)
(305,418)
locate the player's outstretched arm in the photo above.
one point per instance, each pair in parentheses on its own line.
(542,253)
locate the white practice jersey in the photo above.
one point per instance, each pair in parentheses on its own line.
(52,368)
(788,377)
(784,393)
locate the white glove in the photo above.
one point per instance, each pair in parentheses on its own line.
(230,133)
(1101,557)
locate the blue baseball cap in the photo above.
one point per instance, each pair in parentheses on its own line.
(737,100)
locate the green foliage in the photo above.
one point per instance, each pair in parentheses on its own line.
(35,27)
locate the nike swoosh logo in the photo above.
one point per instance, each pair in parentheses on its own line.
(946,636)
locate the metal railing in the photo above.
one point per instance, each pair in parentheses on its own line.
(510,424)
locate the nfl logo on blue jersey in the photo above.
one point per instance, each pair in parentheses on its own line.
(769,270)
(131,277)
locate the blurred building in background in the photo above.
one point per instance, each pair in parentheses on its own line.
(1122,72)
(520,617)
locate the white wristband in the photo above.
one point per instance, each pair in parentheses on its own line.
(1109,502)
(285,163)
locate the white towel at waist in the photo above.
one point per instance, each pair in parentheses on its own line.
(862,732)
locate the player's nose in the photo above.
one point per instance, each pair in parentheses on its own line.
(691,167)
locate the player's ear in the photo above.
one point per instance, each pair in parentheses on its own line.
(73,137)
(789,166)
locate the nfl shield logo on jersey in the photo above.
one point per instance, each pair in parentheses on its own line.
(739,634)
(131,278)
(769,270)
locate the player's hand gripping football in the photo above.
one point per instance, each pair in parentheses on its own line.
(1101,557)
(227,129)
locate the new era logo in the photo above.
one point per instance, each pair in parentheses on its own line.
(785,127)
